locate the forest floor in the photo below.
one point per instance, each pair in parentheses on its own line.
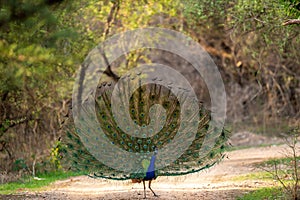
(218,182)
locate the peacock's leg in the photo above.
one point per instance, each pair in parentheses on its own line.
(144,189)
(151,189)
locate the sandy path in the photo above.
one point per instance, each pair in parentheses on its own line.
(214,183)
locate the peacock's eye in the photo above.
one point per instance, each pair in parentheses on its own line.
(166,104)
(78,130)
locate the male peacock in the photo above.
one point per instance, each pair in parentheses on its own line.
(150,173)
(150,137)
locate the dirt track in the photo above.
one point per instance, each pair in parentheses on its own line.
(214,183)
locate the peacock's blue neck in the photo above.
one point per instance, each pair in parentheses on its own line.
(151,167)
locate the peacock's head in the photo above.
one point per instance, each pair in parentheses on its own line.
(155,150)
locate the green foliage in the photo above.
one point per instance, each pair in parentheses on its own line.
(35,76)
(262,176)
(277,161)
(203,10)
(29,183)
(55,156)
(19,164)
(28,60)
(251,33)
(292,8)
(264,193)
(261,16)
(25,11)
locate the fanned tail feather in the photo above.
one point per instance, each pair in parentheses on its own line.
(144,112)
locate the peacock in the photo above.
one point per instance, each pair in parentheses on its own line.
(149,119)
(136,129)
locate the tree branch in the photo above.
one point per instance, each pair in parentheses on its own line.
(110,19)
(291,21)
